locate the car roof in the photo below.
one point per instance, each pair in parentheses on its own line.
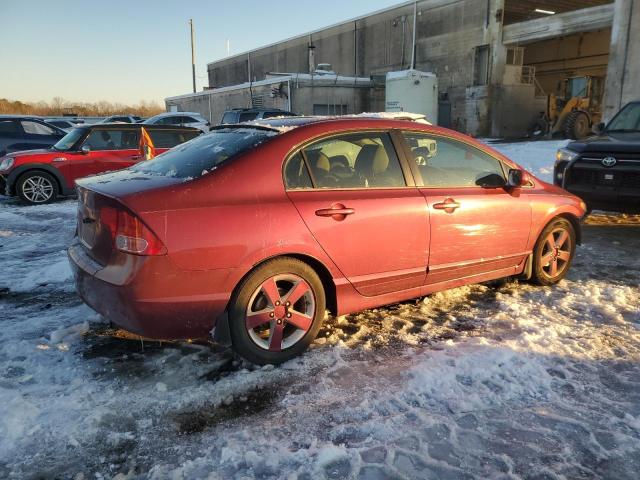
(168,114)
(21,117)
(287,123)
(135,126)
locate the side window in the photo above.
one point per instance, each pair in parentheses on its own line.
(449,163)
(113,139)
(35,128)
(359,160)
(8,126)
(229,117)
(296,175)
(169,138)
(247,117)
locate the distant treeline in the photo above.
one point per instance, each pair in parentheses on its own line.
(59,106)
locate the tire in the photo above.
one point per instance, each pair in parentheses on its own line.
(553,253)
(538,128)
(37,187)
(577,125)
(264,327)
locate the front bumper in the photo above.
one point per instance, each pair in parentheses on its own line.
(602,188)
(149,296)
(3,185)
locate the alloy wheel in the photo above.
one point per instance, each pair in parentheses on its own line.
(556,252)
(280,312)
(37,189)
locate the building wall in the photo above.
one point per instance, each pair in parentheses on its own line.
(623,73)
(447,33)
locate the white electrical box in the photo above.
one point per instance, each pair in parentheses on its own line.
(412,91)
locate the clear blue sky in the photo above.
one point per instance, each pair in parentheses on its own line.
(130,50)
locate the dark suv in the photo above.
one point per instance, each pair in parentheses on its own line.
(604,170)
(21,132)
(241,115)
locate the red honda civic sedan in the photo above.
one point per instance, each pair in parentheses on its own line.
(252,232)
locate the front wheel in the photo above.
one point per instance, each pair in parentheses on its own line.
(37,187)
(553,253)
(277,311)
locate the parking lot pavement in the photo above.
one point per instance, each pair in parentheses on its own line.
(489,381)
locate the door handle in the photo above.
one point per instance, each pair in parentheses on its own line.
(448,205)
(337,211)
(136,157)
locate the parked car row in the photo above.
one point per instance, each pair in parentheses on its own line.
(41,175)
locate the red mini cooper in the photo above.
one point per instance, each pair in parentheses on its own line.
(40,176)
(253,232)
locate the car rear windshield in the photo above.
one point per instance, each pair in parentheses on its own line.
(203,154)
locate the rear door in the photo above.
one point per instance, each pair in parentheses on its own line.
(474,228)
(363,209)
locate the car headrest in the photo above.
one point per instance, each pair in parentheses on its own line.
(372,159)
(318,160)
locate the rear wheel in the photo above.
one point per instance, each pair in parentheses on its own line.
(553,252)
(577,125)
(277,311)
(37,187)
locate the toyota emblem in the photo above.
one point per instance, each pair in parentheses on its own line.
(609,161)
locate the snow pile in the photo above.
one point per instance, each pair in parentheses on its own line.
(499,381)
(535,157)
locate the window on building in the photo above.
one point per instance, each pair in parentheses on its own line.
(329,109)
(481,65)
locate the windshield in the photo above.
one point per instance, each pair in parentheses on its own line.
(199,156)
(627,120)
(70,139)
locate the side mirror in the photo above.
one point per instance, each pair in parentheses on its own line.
(491,180)
(517,178)
(85,149)
(598,128)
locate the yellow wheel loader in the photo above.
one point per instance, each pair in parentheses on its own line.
(574,115)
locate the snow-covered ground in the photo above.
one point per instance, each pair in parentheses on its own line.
(487,381)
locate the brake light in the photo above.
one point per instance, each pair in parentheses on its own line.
(129,234)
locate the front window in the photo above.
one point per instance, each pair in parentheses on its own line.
(205,153)
(627,120)
(449,163)
(113,139)
(70,139)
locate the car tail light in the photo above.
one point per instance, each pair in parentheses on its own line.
(129,234)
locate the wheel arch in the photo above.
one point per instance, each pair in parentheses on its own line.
(17,173)
(221,333)
(575,223)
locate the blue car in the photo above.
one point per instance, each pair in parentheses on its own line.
(22,132)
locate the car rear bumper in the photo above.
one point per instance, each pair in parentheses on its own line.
(149,296)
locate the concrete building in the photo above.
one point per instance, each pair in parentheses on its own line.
(495,59)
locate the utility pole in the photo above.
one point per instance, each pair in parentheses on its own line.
(193,57)
(413,44)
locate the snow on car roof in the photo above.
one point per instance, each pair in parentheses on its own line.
(286,123)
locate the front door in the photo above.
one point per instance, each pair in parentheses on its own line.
(477,225)
(352,194)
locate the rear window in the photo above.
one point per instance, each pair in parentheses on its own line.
(170,138)
(203,154)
